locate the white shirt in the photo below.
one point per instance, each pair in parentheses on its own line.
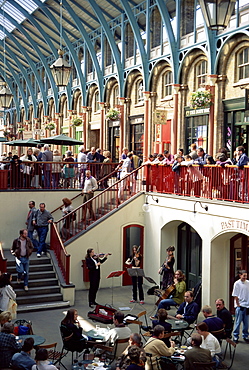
(90,184)
(241,290)
(126,167)
(211,343)
(82,158)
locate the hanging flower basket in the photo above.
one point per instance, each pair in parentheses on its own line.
(76,121)
(21,130)
(50,126)
(113,114)
(201,99)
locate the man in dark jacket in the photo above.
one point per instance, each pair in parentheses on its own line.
(188,310)
(22,248)
(196,354)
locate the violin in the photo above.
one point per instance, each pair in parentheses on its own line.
(101,255)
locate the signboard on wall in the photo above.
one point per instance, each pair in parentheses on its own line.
(160,117)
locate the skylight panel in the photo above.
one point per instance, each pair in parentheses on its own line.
(13,12)
(30,6)
(5,23)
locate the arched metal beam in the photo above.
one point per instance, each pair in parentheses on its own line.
(40,55)
(139,40)
(112,43)
(91,51)
(172,41)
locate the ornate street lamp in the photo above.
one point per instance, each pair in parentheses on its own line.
(5,96)
(60,69)
(217,13)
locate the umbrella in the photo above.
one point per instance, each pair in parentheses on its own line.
(3,140)
(61,140)
(26,142)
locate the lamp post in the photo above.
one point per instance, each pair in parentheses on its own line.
(60,69)
(217,13)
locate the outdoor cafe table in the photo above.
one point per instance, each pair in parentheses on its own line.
(98,334)
(37,339)
(178,325)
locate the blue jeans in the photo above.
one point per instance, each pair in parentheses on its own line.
(23,268)
(34,241)
(42,233)
(166,303)
(240,316)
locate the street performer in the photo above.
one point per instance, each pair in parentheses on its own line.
(166,270)
(178,295)
(135,261)
(93,263)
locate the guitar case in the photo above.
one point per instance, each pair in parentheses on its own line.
(102,314)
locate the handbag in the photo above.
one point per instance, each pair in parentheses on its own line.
(12,308)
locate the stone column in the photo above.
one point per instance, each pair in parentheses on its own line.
(84,125)
(102,125)
(146,125)
(213,79)
(174,127)
(122,120)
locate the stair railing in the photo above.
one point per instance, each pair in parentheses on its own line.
(3,260)
(62,256)
(100,205)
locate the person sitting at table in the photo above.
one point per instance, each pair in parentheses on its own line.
(209,342)
(5,316)
(214,323)
(178,295)
(156,348)
(23,360)
(119,332)
(42,362)
(196,353)
(223,314)
(135,359)
(8,345)
(161,320)
(188,310)
(71,331)
(124,360)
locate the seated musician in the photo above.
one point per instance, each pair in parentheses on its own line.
(188,310)
(161,320)
(178,294)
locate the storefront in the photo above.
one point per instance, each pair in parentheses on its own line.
(196,123)
(137,134)
(114,139)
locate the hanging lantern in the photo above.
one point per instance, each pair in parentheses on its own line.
(5,96)
(61,70)
(217,13)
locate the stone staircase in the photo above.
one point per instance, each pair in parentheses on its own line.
(44,288)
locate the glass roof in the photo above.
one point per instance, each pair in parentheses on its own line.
(10,9)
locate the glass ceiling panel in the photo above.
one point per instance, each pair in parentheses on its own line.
(13,12)
(29,5)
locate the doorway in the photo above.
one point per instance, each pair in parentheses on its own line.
(239,260)
(132,235)
(114,141)
(189,254)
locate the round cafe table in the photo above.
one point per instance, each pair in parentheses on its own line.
(37,339)
(178,325)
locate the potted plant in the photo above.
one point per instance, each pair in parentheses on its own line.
(21,130)
(113,114)
(50,126)
(201,99)
(76,121)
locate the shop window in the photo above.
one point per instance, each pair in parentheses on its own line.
(201,74)
(243,64)
(115,96)
(139,90)
(96,102)
(167,84)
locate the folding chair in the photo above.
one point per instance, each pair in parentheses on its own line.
(204,365)
(53,355)
(166,363)
(219,334)
(68,344)
(140,323)
(230,344)
(113,352)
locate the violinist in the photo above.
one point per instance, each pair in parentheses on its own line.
(93,263)
(137,281)
(167,268)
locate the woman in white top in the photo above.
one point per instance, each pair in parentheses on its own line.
(28,168)
(6,291)
(42,362)
(56,169)
(209,341)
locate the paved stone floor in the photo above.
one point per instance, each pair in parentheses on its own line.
(46,323)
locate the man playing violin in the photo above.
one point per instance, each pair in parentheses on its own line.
(137,281)
(93,263)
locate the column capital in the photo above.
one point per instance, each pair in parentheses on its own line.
(102,105)
(84,109)
(176,88)
(212,79)
(146,95)
(221,78)
(122,100)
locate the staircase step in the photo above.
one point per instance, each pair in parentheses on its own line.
(42,298)
(37,283)
(20,292)
(33,268)
(32,261)
(42,306)
(37,275)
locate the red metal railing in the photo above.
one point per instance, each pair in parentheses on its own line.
(62,256)
(51,175)
(211,182)
(3,260)
(100,205)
